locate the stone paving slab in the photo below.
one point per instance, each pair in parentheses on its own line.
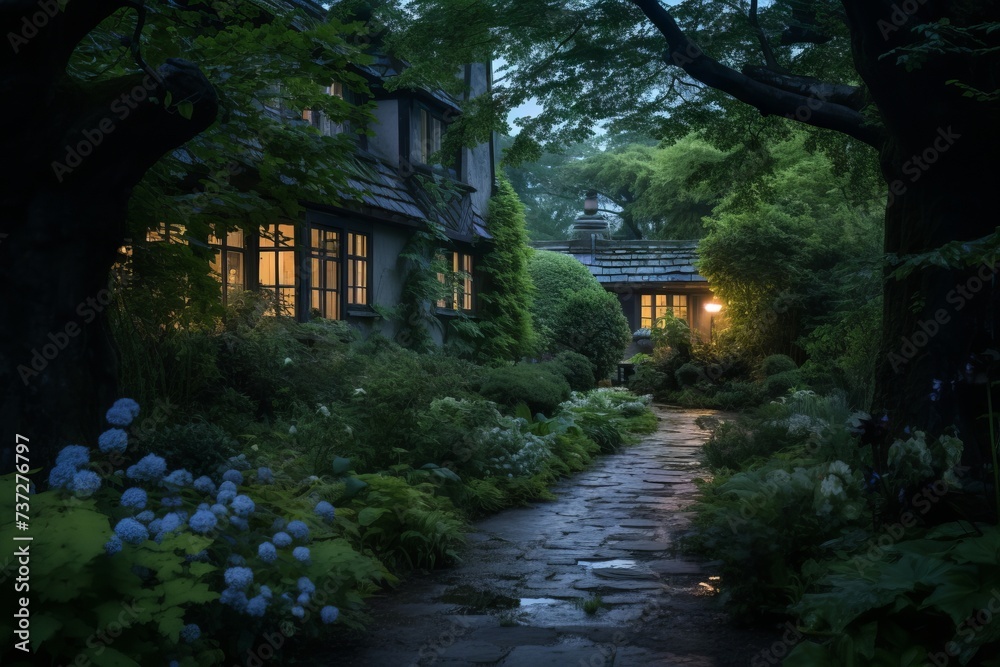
(517,597)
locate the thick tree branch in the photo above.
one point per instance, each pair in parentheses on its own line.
(769,100)
(765,45)
(837,93)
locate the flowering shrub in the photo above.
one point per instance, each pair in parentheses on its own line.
(194,565)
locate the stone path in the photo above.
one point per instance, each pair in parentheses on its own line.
(517,598)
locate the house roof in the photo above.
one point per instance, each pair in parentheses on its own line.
(381,189)
(635,262)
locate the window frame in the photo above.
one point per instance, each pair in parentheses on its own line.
(660,303)
(222,247)
(424,111)
(463,288)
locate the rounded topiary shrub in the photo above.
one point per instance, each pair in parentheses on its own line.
(781,383)
(591,323)
(576,368)
(689,374)
(777,363)
(541,387)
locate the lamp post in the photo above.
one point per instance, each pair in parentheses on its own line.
(713,307)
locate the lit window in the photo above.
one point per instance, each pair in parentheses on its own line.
(324,264)
(168,233)
(357,269)
(229,262)
(654,306)
(320,120)
(460,280)
(277,266)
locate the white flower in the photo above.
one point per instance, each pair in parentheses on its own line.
(840,468)
(832,487)
(288,360)
(292,430)
(323,410)
(359,391)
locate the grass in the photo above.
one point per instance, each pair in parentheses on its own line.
(591,605)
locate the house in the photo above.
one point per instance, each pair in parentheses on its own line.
(650,278)
(341,262)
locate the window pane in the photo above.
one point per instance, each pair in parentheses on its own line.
(267,237)
(235,238)
(332,310)
(267,269)
(286,267)
(314,300)
(286,235)
(234,260)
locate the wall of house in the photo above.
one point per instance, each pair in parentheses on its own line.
(477,163)
(387,277)
(385,143)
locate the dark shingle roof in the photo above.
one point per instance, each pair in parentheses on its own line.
(632,261)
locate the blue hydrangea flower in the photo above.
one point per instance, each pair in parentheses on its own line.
(131,531)
(219,510)
(298,612)
(203,521)
(325,511)
(113,440)
(154,526)
(204,484)
(301,554)
(200,557)
(205,506)
(265,475)
(257,606)
(122,412)
(85,483)
(61,475)
(243,506)
(278,524)
(281,540)
(267,553)
(177,479)
(172,501)
(299,530)
(145,516)
(113,546)
(234,476)
(168,524)
(190,632)
(74,456)
(265,592)
(236,559)
(329,614)
(303,599)
(234,598)
(238,577)
(225,497)
(228,486)
(239,522)
(150,468)
(134,498)
(306,585)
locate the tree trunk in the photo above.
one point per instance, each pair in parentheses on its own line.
(72,155)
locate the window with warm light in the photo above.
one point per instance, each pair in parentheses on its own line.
(229,262)
(357,269)
(324,274)
(460,279)
(277,266)
(655,306)
(320,120)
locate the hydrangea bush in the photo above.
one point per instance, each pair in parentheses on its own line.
(198,561)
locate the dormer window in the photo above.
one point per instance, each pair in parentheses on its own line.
(431,130)
(320,120)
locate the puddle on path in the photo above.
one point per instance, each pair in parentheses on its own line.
(619,563)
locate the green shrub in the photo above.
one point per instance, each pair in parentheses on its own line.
(737,395)
(647,379)
(506,295)
(591,323)
(777,363)
(555,275)
(576,368)
(781,383)
(200,445)
(541,387)
(689,374)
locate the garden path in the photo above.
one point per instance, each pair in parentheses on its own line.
(516,599)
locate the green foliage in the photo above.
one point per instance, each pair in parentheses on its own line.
(782,383)
(591,323)
(203,446)
(689,374)
(671,333)
(777,363)
(555,275)
(541,387)
(576,368)
(505,299)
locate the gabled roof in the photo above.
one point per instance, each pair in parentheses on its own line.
(636,262)
(380,190)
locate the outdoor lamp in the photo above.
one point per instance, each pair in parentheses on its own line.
(713,307)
